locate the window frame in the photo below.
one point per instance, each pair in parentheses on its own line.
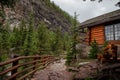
(110,34)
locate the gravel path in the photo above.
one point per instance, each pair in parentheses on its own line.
(55,71)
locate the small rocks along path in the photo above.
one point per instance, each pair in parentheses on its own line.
(55,71)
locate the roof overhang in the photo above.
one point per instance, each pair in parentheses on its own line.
(109,17)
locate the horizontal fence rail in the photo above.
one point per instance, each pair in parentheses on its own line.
(22,67)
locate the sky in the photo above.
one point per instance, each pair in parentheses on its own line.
(86,9)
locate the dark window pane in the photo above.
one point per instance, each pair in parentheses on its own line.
(117,31)
(109,32)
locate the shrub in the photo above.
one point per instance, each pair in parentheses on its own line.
(94,49)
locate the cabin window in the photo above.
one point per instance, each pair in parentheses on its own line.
(109,32)
(117,31)
(83,30)
(112,32)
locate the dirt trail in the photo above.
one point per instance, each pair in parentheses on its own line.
(55,71)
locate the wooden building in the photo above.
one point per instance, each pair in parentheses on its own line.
(102,28)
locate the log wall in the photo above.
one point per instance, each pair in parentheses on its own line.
(97,33)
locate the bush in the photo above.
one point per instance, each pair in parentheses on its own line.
(69,58)
(94,50)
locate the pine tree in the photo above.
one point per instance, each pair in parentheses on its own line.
(43,39)
(23,30)
(4,45)
(15,39)
(51,41)
(29,46)
(6,39)
(94,49)
(66,42)
(71,55)
(57,46)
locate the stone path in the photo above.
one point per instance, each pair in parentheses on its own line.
(55,71)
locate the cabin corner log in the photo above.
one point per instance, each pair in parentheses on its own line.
(109,55)
(35,63)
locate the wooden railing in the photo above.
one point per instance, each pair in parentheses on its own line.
(22,67)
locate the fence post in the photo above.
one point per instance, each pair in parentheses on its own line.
(34,63)
(36,58)
(14,64)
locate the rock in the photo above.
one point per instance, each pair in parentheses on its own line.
(83,63)
(87,70)
(55,76)
(73,69)
(83,50)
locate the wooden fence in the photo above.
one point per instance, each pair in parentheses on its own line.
(22,67)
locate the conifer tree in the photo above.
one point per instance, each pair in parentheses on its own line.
(22,35)
(57,46)
(66,42)
(93,50)
(6,39)
(29,45)
(43,35)
(71,55)
(4,45)
(15,39)
(51,40)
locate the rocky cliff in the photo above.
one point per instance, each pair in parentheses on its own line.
(43,10)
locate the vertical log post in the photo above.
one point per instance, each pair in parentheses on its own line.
(14,64)
(36,58)
(44,60)
(115,52)
(34,63)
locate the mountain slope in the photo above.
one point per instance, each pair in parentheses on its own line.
(43,10)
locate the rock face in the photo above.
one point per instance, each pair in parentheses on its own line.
(43,10)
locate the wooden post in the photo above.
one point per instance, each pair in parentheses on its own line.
(44,60)
(115,52)
(14,64)
(34,63)
(36,58)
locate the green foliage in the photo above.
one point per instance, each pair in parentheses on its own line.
(30,45)
(71,55)
(4,45)
(5,35)
(26,39)
(94,49)
(43,35)
(101,49)
(105,44)
(58,9)
(66,42)
(57,45)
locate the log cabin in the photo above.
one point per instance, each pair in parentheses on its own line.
(102,28)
